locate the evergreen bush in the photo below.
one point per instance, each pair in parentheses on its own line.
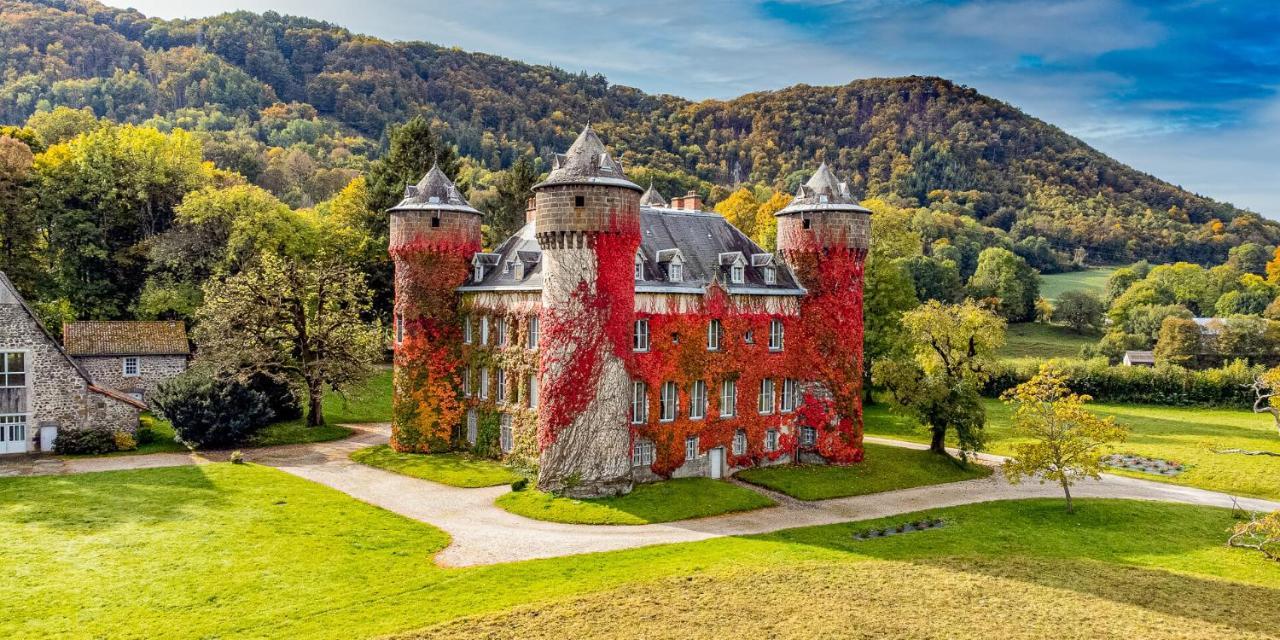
(208,411)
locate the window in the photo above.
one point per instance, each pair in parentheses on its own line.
(399,328)
(807,223)
(466,382)
(466,329)
(484,384)
(808,436)
(13,370)
(789,391)
(533,332)
(472,422)
(479,271)
(775,335)
(505,438)
(500,390)
(728,398)
(765,401)
(714,332)
(737,274)
(670,400)
(642,453)
(129,366)
(639,402)
(500,327)
(435,221)
(533,391)
(698,400)
(770,275)
(15,427)
(640,337)
(579,201)
(749,337)
(691,448)
(484,329)
(675,272)
(639,268)
(740,443)
(771,440)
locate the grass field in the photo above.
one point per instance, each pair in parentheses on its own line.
(1043,341)
(454,469)
(1092,280)
(1182,434)
(235,551)
(883,469)
(665,501)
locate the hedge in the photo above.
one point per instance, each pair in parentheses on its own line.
(1227,386)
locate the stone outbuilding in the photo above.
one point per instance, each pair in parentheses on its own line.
(43,390)
(132,357)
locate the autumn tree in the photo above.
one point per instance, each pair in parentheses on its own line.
(300,318)
(952,350)
(740,210)
(1261,533)
(1067,441)
(1079,310)
(767,225)
(1179,341)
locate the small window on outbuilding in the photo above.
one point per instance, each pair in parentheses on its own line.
(435,221)
(579,201)
(807,222)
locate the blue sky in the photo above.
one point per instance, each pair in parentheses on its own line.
(1188,90)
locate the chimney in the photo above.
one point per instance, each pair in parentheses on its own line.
(530,210)
(691,201)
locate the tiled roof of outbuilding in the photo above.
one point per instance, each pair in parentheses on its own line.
(125,338)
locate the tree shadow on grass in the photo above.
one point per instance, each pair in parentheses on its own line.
(1100,551)
(91,502)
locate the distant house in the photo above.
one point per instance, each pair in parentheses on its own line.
(43,390)
(130,357)
(1139,359)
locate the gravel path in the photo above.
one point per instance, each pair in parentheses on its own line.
(484,534)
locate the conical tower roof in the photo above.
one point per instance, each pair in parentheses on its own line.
(435,191)
(823,191)
(587,162)
(652,198)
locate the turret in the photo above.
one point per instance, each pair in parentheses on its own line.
(823,215)
(434,234)
(588,225)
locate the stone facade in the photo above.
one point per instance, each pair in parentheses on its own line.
(108,371)
(58,392)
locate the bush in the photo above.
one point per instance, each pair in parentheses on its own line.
(84,441)
(207,411)
(124,441)
(520,485)
(283,399)
(1166,384)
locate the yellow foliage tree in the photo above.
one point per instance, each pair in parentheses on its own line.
(1067,441)
(766,225)
(740,210)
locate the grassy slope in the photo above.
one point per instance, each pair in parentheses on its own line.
(1041,341)
(234,551)
(1091,280)
(657,502)
(1184,434)
(884,469)
(455,469)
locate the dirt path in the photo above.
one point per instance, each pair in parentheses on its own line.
(484,534)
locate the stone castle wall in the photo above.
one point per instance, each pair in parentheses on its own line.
(846,229)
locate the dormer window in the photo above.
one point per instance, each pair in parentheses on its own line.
(675,272)
(639,268)
(770,275)
(737,273)
(479,271)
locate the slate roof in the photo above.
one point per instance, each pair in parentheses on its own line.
(125,338)
(652,198)
(1140,357)
(825,192)
(587,162)
(435,192)
(699,237)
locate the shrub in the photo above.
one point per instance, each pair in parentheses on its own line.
(124,441)
(85,441)
(1166,384)
(237,457)
(146,430)
(207,411)
(281,395)
(520,485)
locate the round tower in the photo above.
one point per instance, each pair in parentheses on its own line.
(434,234)
(588,225)
(824,235)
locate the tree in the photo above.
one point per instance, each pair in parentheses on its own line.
(20,235)
(1250,257)
(301,318)
(952,348)
(514,187)
(1068,442)
(740,210)
(888,293)
(1003,275)
(62,124)
(1079,310)
(767,225)
(934,279)
(1261,533)
(1179,341)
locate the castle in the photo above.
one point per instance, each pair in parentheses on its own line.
(618,338)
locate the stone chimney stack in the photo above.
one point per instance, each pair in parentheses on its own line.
(531,209)
(689,202)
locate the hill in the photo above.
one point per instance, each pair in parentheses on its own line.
(300,106)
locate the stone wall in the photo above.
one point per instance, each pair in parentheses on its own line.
(845,229)
(108,371)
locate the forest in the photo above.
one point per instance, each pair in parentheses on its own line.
(142,156)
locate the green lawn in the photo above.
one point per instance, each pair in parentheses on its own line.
(1182,434)
(1043,341)
(1091,280)
(666,501)
(454,469)
(884,468)
(234,551)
